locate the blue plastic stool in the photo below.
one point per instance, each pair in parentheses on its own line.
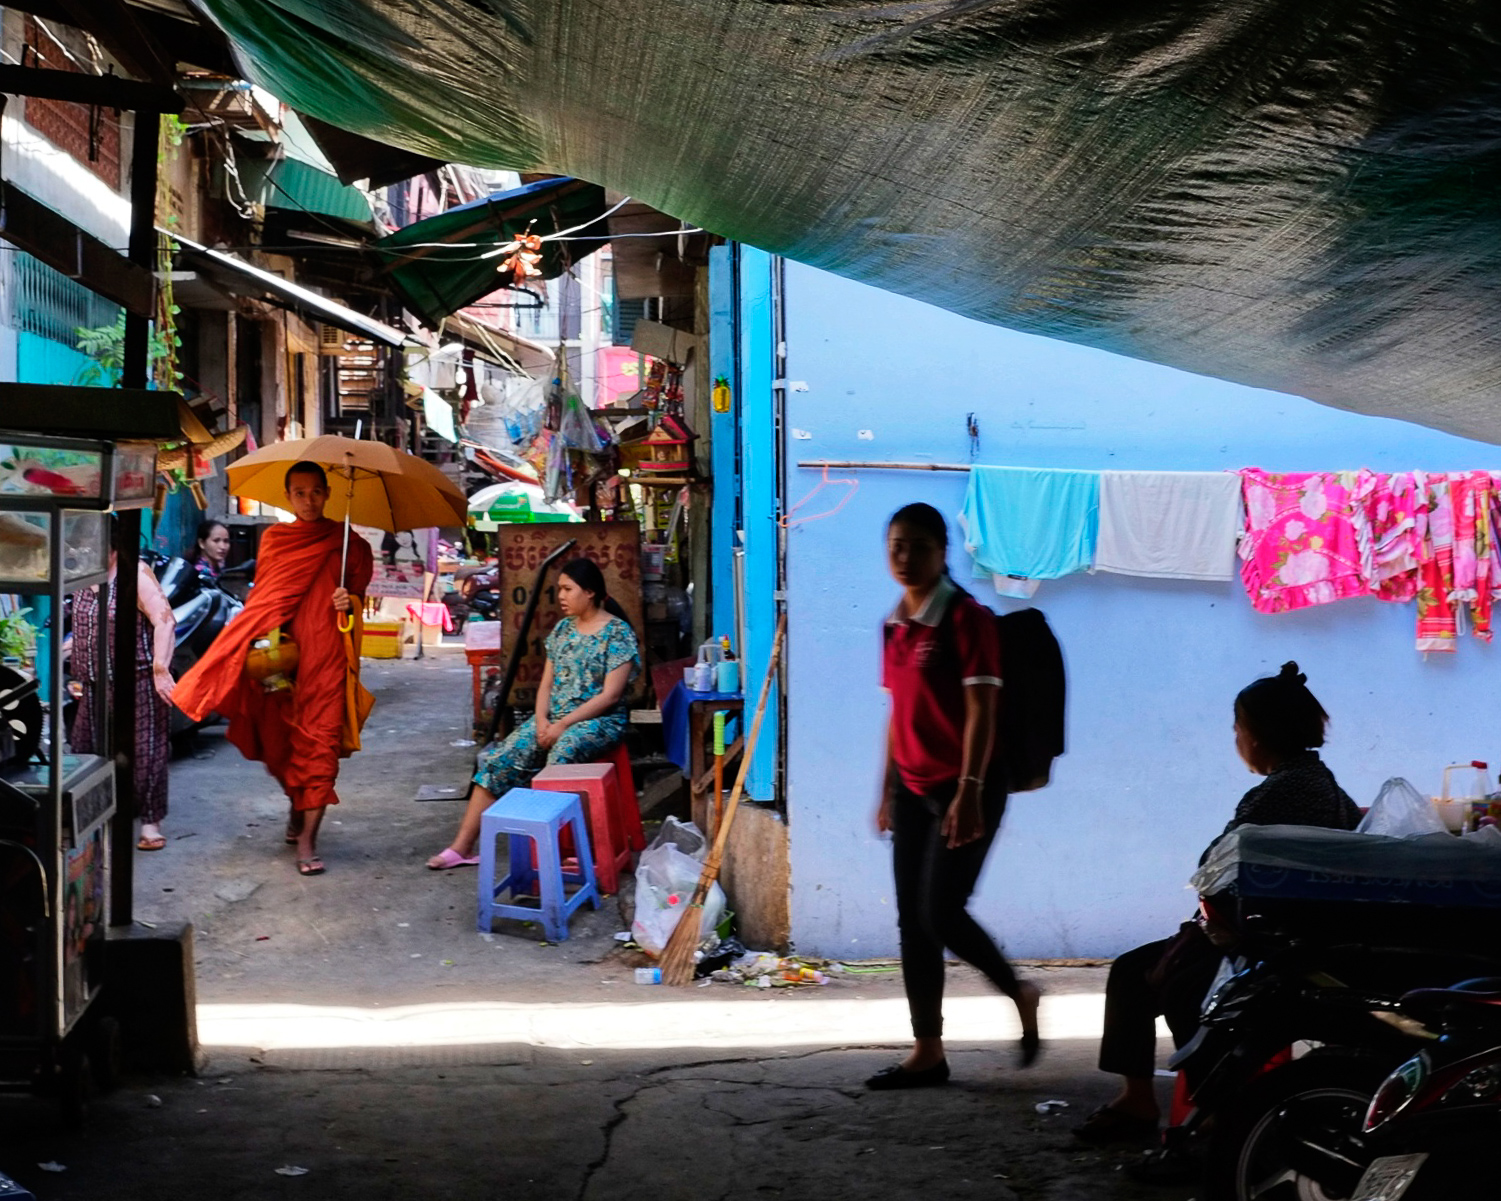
(530,813)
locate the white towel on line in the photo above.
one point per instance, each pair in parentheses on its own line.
(1179,525)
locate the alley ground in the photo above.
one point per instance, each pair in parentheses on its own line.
(358,1027)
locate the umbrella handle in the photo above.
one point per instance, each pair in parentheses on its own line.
(346,617)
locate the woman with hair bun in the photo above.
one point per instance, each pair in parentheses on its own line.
(1279,724)
(581,707)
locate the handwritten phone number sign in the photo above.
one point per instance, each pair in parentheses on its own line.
(614,546)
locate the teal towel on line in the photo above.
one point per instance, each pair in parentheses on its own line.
(1035,522)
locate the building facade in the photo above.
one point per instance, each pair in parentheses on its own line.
(828,369)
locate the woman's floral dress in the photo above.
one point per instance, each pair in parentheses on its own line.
(580,663)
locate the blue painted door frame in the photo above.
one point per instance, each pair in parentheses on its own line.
(746,457)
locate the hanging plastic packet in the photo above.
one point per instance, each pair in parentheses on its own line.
(577,429)
(556,477)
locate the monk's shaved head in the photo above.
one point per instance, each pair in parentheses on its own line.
(305,467)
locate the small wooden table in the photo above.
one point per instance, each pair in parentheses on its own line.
(701,710)
(482,650)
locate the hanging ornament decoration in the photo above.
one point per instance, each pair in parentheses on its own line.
(672,390)
(720,396)
(521,263)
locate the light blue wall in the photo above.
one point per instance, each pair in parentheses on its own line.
(42,361)
(1099,861)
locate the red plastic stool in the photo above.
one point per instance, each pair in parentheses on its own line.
(598,785)
(630,807)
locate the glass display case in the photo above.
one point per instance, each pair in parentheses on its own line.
(135,474)
(26,547)
(67,470)
(55,809)
(76,473)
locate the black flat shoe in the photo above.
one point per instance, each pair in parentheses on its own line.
(1167,1166)
(1029,1049)
(1110,1125)
(899,1077)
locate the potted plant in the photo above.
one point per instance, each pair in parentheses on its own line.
(17,637)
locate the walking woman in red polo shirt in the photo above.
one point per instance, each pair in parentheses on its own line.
(942,667)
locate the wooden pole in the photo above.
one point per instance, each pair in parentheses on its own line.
(867,465)
(136,374)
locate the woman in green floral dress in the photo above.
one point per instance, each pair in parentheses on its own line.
(581,712)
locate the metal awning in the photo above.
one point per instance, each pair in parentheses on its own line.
(500,345)
(295,174)
(239,278)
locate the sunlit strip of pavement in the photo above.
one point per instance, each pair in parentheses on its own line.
(782,1021)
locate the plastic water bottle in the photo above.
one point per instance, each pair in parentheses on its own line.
(648,975)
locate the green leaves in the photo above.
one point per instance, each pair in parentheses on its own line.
(105,344)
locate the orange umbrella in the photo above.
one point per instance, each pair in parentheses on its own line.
(383,487)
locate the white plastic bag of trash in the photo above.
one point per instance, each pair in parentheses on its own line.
(666,876)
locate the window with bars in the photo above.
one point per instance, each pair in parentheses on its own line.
(49,304)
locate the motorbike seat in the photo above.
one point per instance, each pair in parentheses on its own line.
(1476,995)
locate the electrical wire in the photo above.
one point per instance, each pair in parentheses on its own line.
(56,41)
(497,251)
(592,221)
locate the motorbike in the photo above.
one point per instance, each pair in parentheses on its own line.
(202,608)
(1431,1122)
(1296,1035)
(474,597)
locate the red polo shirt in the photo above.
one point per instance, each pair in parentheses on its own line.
(926,665)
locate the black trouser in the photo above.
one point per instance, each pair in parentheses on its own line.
(933,884)
(1170,978)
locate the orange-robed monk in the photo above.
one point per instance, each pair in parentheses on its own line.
(299,735)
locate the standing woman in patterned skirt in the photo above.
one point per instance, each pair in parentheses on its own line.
(154,645)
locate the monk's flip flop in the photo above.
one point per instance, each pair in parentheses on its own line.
(310,867)
(151,844)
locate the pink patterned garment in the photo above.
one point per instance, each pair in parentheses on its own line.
(1470,496)
(1438,623)
(1386,531)
(1301,546)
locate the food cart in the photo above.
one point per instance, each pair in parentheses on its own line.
(56,495)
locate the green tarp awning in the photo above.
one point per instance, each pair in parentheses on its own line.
(440,265)
(1293,196)
(296,175)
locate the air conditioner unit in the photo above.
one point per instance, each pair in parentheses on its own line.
(331,339)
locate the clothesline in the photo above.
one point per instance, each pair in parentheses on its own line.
(1303,538)
(870,465)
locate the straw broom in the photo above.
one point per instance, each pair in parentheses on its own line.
(677,955)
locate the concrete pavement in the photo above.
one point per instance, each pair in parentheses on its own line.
(358,1027)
